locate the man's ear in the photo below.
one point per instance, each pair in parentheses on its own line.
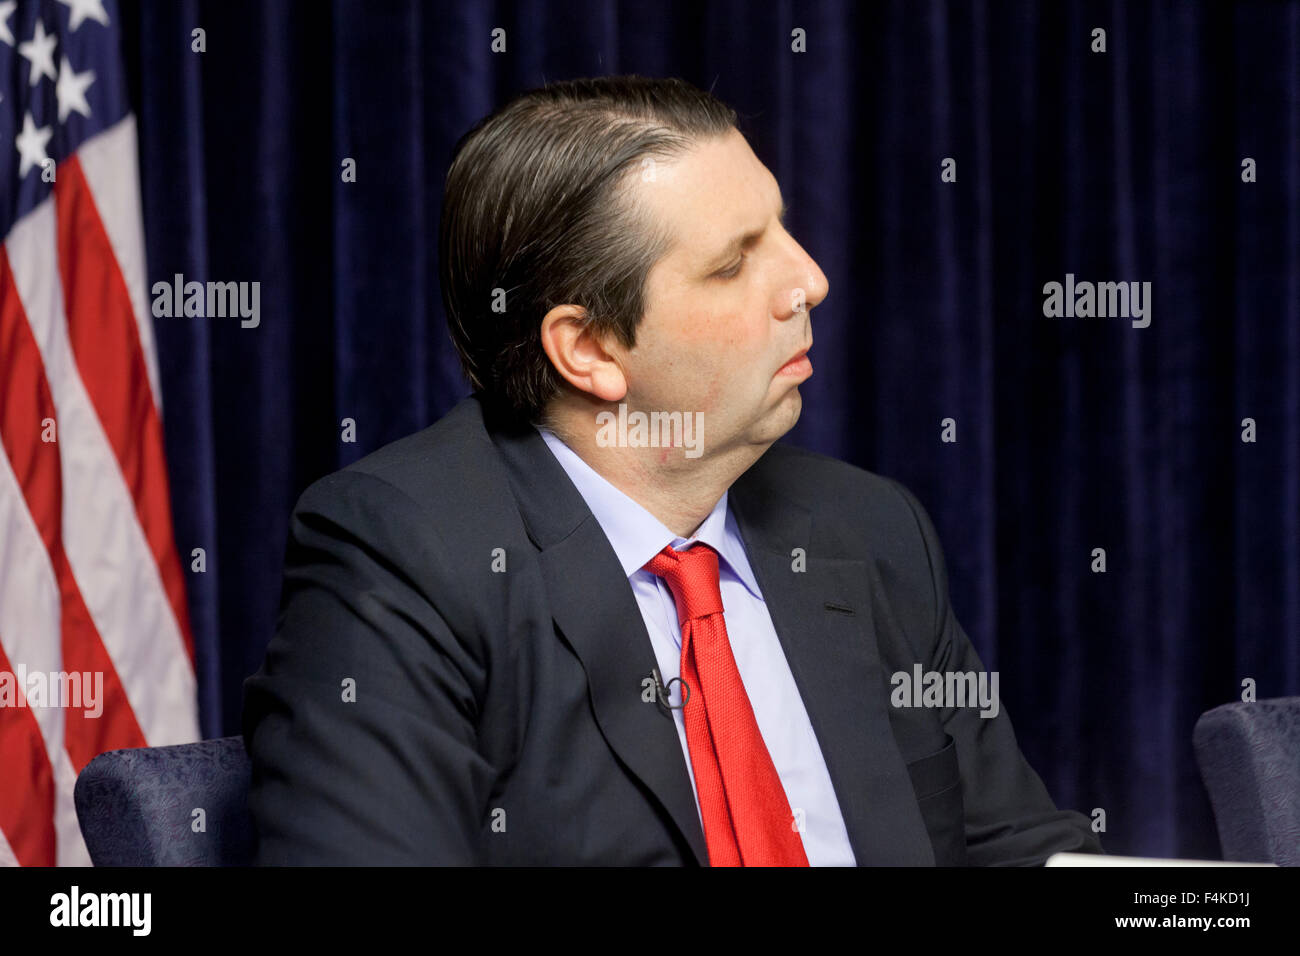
(586,360)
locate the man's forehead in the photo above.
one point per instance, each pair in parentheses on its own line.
(704,196)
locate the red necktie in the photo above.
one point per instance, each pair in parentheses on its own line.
(747,818)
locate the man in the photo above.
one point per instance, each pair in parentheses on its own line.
(595,615)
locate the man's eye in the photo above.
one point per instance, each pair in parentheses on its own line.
(733,271)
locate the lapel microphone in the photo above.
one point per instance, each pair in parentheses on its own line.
(664,694)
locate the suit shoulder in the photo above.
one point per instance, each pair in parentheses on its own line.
(431,467)
(457,442)
(821,483)
(855,510)
(415,507)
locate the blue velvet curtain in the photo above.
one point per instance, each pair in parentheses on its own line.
(1071,433)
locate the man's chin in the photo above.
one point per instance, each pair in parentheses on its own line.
(780,419)
(795,401)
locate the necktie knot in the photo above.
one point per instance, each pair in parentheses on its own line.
(692,577)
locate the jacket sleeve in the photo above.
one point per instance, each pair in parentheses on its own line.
(1010,818)
(360,723)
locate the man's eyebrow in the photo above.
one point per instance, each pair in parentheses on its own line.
(744,241)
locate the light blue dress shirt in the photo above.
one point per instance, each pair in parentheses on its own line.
(637,536)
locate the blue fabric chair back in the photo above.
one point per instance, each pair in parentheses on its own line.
(137,807)
(1249,754)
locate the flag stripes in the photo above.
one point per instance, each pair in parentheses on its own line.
(90,577)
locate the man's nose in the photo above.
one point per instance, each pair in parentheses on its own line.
(805,287)
(818,286)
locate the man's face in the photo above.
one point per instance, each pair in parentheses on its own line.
(723,318)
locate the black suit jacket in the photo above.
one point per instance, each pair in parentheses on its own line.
(500,716)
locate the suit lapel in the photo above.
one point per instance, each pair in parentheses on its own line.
(824,620)
(598,617)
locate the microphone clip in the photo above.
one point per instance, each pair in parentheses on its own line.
(664,693)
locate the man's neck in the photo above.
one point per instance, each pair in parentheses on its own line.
(679,491)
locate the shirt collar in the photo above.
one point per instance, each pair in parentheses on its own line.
(635,534)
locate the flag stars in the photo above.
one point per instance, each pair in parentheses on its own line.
(71,90)
(81,10)
(39,50)
(6,10)
(31,145)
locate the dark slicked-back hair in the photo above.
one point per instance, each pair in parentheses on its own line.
(536,206)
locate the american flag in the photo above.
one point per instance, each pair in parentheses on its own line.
(91,584)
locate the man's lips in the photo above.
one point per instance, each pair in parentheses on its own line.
(797,365)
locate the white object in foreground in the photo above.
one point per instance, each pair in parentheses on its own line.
(1098,859)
